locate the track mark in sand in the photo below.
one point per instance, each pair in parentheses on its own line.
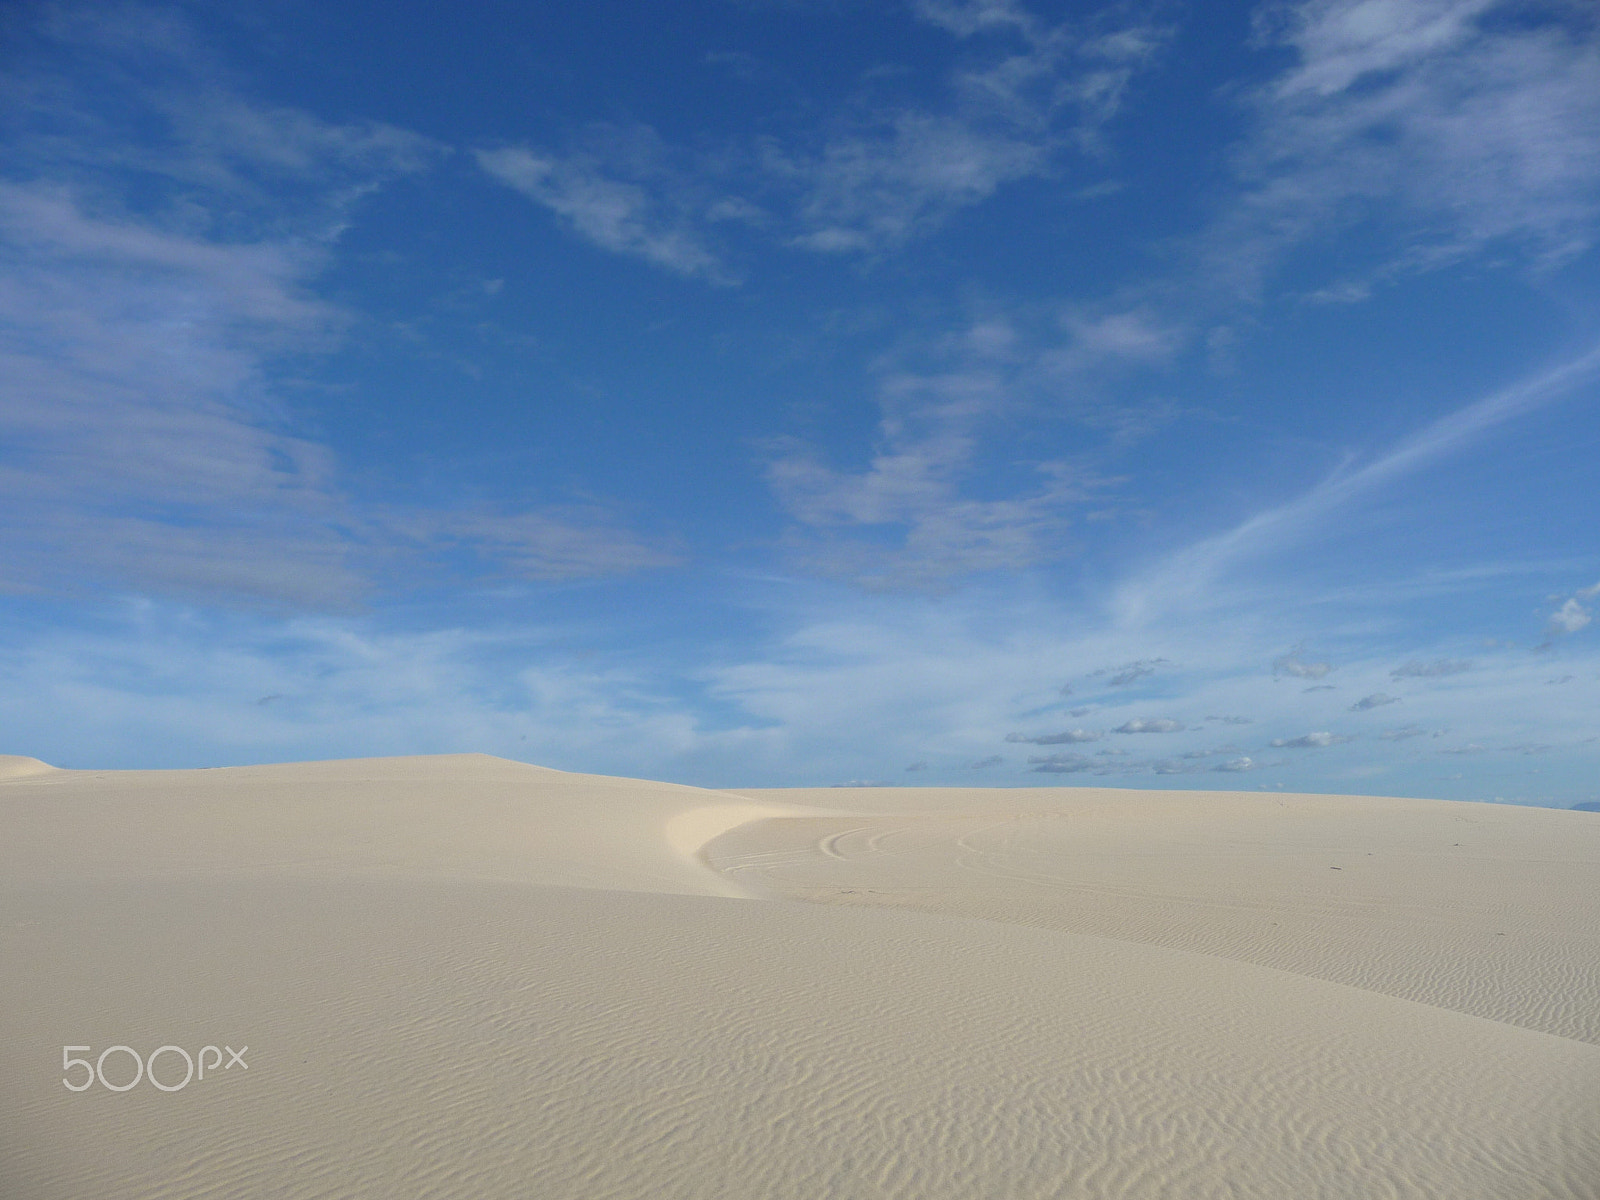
(830,845)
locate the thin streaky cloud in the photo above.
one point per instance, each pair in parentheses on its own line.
(1193,571)
(626,216)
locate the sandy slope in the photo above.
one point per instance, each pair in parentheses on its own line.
(466,977)
(1482,908)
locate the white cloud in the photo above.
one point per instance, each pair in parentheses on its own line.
(893,173)
(1291,664)
(1065,738)
(1569,618)
(1150,725)
(154,684)
(905,519)
(880,187)
(130,365)
(1437,668)
(967,17)
(1376,700)
(1183,578)
(1447,124)
(148,447)
(1065,764)
(1131,673)
(877,174)
(1403,734)
(565,542)
(1310,741)
(1243,763)
(649,215)
(920,530)
(1340,41)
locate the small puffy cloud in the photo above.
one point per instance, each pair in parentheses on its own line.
(1401,734)
(1063,764)
(918,766)
(1292,664)
(1376,700)
(994,760)
(1232,720)
(1320,687)
(1310,741)
(1569,618)
(1150,725)
(1436,669)
(1243,763)
(1065,738)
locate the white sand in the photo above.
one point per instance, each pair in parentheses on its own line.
(461,976)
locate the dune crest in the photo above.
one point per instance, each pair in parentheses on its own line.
(17,766)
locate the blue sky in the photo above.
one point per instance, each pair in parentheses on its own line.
(787,393)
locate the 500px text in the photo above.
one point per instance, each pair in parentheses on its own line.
(145,1068)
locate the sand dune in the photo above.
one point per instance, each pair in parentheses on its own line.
(462,976)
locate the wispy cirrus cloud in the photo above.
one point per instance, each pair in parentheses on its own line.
(1453,123)
(1066,738)
(905,520)
(871,177)
(621,193)
(1435,669)
(1034,90)
(147,443)
(909,518)
(1194,570)
(897,177)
